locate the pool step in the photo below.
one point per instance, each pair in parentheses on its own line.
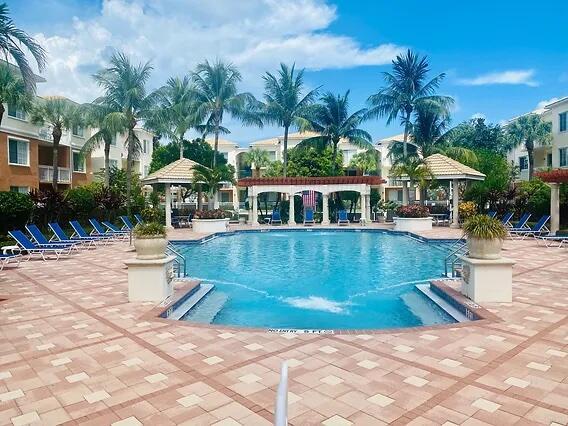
(450,310)
(193,300)
(206,311)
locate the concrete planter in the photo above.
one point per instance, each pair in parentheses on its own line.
(209,226)
(480,248)
(148,248)
(412,224)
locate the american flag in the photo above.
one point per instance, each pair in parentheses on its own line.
(309,199)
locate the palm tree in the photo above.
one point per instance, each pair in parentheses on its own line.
(61,115)
(284,104)
(530,130)
(417,172)
(12,90)
(406,87)
(364,161)
(211,179)
(332,121)
(258,158)
(215,92)
(12,42)
(176,112)
(125,93)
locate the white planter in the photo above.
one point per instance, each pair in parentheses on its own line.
(484,249)
(412,224)
(150,248)
(209,226)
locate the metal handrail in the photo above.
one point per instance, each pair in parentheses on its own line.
(453,256)
(179,259)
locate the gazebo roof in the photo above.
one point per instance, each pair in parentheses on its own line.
(180,171)
(445,168)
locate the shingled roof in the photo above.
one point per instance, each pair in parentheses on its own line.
(443,167)
(180,171)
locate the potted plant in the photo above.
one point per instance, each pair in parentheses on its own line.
(484,237)
(412,218)
(210,221)
(150,241)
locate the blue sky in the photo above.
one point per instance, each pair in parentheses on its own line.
(502,58)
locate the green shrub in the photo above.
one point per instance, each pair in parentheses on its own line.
(152,229)
(82,201)
(533,197)
(15,211)
(484,227)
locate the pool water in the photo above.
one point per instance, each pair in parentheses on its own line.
(316,280)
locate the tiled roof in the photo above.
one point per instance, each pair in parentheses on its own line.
(180,171)
(324,180)
(441,166)
(395,138)
(222,142)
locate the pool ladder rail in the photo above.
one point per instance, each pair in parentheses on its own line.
(452,262)
(180,267)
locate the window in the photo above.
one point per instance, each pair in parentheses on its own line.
(20,189)
(563,156)
(348,155)
(78,131)
(225,196)
(145,146)
(562,118)
(113,164)
(523,163)
(18,152)
(14,112)
(146,170)
(78,162)
(549,159)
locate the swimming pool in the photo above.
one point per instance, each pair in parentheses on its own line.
(315,280)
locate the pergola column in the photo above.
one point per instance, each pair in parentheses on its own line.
(363,207)
(168,206)
(325,208)
(368,207)
(254,206)
(404,193)
(554,208)
(291,214)
(455,204)
(236,199)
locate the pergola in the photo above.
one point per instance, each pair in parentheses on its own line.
(180,172)
(554,178)
(445,168)
(324,185)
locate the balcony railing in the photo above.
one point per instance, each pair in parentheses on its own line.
(45,133)
(46,174)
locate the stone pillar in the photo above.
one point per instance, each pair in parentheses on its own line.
(405,193)
(554,208)
(487,281)
(254,207)
(325,207)
(368,207)
(455,202)
(150,280)
(291,220)
(168,206)
(363,199)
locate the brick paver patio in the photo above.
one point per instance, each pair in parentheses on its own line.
(73,350)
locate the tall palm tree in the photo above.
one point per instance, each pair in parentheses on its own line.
(211,179)
(125,93)
(284,102)
(417,172)
(530,130)
(14,43)
(12,90)
(215,91)
(406,87)
(332,121)
(258,158)
(61,115)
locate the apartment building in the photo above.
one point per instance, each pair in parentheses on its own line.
(550,156)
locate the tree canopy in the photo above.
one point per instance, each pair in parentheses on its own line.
(197,150)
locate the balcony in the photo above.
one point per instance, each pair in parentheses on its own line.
(45,133)
(46,174)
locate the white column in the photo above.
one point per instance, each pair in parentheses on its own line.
(325,207)
(168,206)
(291,214)
(254,211)
(368,207)
(554,208)
(405,193)
(236,199)
(455,202)
(363,199)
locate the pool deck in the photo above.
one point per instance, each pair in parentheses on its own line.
(73,350)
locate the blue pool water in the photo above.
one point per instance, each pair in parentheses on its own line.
(316,280)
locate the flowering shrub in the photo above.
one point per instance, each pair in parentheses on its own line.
(211,214)
(467,209)
(414,210)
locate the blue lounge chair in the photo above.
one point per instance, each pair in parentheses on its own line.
(138,218)
(309,217)
(539,228)
(275,218)
(128,226)
(342,218)
(79,231)
(113,228)
(60,234)
(521,225)
(6,258)
(41,239)
(491,214)
(549,240)
(98,229)
(506,219)
(26,244)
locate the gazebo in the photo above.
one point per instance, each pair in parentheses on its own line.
(554,178)
(180,172)
(445,168)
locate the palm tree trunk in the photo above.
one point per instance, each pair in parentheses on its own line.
(285,170)
(405,139)
(56,133)
(107,163)
(199,197)
(215,149)
(2,110)
(530,153)
(334,156)
(129,169)
(181,147)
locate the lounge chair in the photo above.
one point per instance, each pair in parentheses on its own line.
(79,231)
(60,234)
(342,218)
(521,225)
(113,228)
(539,228)
(506,219)
(6,258)
(549,240)
(98,229)
(309,217)
(128,226)
(275,218)
(41,239)
(138,218)
(491,214)
(45,249)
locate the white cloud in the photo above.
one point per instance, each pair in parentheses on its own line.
(525,77)
(544,103)
(175,35)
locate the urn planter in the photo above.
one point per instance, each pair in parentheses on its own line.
(148,248)
(483,248)
(209,226)
(412,224)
